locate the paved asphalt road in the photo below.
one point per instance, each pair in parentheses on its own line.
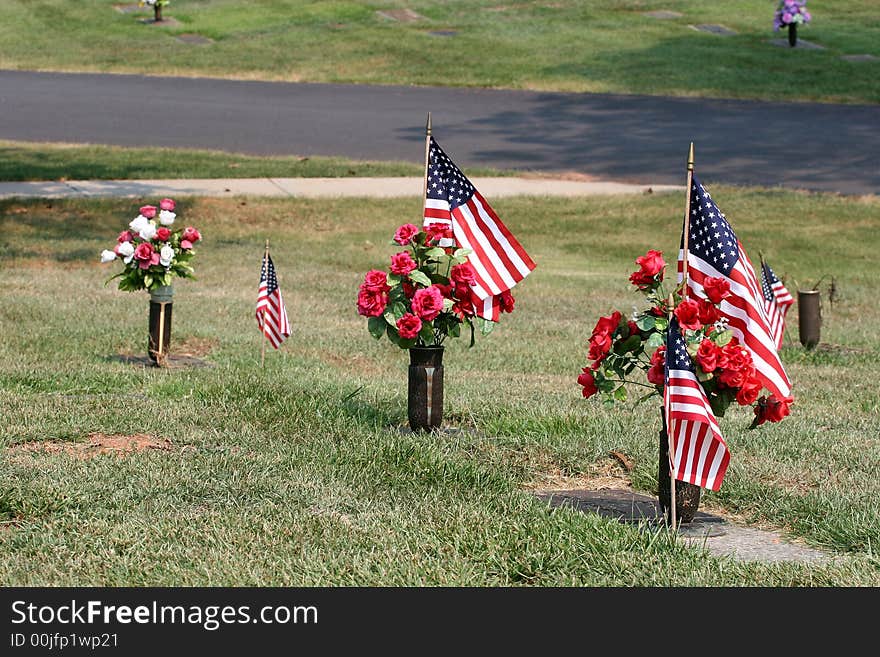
(625,138)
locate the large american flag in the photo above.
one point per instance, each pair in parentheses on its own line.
(777,301)
(715,251)
(270,306)
(699,453)
(498,259)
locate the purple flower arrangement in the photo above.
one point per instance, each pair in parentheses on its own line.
(790,12)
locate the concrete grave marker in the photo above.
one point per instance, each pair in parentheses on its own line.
(802,44)
(719,30)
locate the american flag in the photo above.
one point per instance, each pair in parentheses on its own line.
(500,262)
(777,301)
(715,251)
(270,306)
(699,452)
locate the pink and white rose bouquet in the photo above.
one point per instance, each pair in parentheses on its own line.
(152,251)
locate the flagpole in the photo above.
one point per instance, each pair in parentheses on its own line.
(687,218)
(427,152)
(263,326)
(669,448)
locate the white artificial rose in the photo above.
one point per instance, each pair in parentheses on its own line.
(138,223)
(108,256)
(126,250)
(148,232)
(166,217)
(166,255)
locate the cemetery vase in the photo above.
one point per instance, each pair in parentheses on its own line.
(687,496)
(425,393)
(792,34)
(161,303)
(157,12)
(809,317)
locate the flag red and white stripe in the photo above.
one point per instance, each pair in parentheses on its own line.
(699,454)
(271,313)
(498,259)
(715,251)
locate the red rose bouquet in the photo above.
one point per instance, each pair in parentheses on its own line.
(426,293)
(618,346)
(151,250)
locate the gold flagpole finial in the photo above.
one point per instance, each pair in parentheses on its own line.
(691,157)
(428,126)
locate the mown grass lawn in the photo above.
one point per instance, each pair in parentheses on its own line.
(567,45)
(21,160)
(297,474)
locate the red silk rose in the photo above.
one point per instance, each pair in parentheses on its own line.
(402,263)
(376,281)
(588,382)
(162,234)
(146,255)
(409,326)
(607,325)
(438,231)
(716,288)
(371,304)
(125,236)
(463,273)
(708,355)
(657,371)
(688,314)
(709,313)
(190,234)
(507,302)
(405,233)
(427,303)
(749,392)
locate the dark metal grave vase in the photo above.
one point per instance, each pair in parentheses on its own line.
(792,34)
(687,496)
(809,317)
(157,12)
(425,393)
(160,323)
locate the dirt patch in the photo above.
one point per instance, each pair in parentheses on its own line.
(194,347)
(95,444)
(607,474)
(575,176)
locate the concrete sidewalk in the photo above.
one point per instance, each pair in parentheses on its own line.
(312,188)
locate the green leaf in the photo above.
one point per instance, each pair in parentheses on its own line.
(407,343)
(661,323)
(654,341)
(723,338)
(455,329)
(435,253)
(392,279)
(461,253)
(376,326)
(701,375)
(399,310)
(632,343)
(390,318)
(427,333)
(620,394)
(148,280)
(646,322)
(392,335)
(486,326)
(419,277)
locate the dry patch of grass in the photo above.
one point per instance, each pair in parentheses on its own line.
(610,473)
(95,444)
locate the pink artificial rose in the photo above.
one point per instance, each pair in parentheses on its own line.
(438,231)
(463,273)
(371,304)
(162,234)
(125,236)
(405,233)
(402,263)
(144,255)
(376,281)
(166,204)
(190,234)
(427,303)
(149,211)
(409,326)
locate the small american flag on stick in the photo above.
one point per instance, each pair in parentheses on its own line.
(713,250)
(698,452)
(777,301)
(499,260)
(271,313)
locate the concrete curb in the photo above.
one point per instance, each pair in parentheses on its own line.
(312,188)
